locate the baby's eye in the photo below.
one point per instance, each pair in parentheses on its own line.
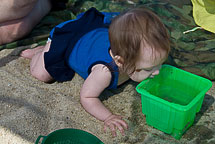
(138,70)
(147,70)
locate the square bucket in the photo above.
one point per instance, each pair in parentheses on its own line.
(171,99)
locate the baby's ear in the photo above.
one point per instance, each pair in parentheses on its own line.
(118,60)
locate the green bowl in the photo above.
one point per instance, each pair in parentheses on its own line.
(69,136)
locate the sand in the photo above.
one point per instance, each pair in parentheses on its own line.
(30,108)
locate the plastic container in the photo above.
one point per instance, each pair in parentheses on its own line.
(171,99)
(69,136)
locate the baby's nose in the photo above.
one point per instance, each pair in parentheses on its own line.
(156,72)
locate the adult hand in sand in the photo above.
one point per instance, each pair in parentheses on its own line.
(18,17)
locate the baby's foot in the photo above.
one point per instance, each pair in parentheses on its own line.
(29,53)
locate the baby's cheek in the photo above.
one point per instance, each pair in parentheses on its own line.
(143,75)
(134,77)
(139,76)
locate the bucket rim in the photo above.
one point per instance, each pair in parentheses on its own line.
(69,129)
(174,105)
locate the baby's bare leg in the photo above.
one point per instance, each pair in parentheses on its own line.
(37,66)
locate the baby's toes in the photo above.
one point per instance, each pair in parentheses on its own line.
(28,53)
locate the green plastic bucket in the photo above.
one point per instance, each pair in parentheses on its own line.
(69,136)
(171,99)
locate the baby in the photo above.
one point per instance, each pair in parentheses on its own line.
(105,52)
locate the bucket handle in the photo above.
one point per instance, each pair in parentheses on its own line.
(38,139)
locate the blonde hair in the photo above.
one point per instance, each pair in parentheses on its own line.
(129,29)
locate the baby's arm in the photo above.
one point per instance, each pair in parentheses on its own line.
(96,82)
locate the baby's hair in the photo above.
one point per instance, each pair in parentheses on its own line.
(132,28)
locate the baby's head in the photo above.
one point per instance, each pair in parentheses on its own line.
(139,43)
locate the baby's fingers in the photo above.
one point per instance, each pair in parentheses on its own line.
(120,127)
(113,129)
(117,125)
(115,122)
(123,123)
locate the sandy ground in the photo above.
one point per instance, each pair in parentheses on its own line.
(29,108)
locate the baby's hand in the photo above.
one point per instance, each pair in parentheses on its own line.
(113,122)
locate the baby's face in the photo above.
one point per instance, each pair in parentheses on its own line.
(148,64)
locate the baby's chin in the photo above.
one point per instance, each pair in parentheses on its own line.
(138,79)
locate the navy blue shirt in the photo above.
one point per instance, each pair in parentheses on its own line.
(77,45)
